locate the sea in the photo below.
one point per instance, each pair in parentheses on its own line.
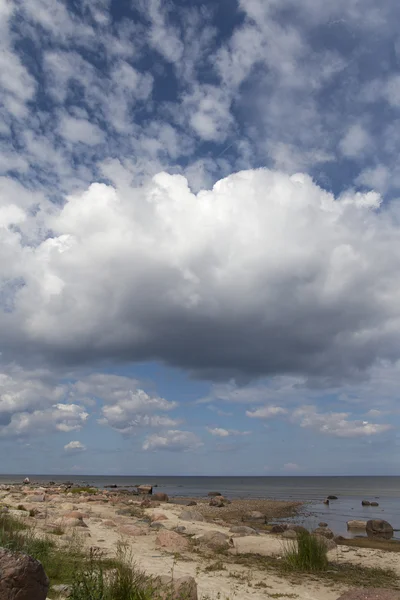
(311,490)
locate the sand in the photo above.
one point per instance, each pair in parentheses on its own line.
(104,526)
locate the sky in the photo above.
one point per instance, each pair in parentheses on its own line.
(199,237)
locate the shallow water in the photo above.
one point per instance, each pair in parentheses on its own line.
(350,492)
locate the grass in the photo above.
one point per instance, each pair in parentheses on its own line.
(307,553)
(217,566)
(89,576)
(82,490)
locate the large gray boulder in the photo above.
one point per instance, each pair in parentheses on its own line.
(21,577)
(379,529)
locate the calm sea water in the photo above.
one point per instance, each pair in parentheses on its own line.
(350,492)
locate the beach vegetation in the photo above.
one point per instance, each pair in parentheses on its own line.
(306,553)
(83,490)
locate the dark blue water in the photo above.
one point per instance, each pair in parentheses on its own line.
(350,492)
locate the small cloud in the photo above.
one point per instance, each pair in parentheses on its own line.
(74,447)
(220,432)
(291,467)
(173,440)
(267,412)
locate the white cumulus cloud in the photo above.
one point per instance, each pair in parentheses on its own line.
(173,440)
(75,446)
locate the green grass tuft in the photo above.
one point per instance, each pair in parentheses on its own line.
(307,553)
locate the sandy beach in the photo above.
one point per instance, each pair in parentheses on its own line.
(163,538)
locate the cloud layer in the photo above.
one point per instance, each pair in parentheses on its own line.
(264,274)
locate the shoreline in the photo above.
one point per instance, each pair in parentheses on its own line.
(165,535)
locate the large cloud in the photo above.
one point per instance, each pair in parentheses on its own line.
(263,274)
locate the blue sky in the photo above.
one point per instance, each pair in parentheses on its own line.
(199,237)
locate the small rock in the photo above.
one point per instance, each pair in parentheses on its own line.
(109,523)
(191,515)
(156,525)
(61,588)
(212,494)
(322,524)
(38,498)
(365,503)
(326,501)
(145,489)
(192,503)
(180,528)
(21,577)
(177,589)
(255,515)
(331,497)
(159,517)
(243,530)
(217,502)
(324,532)
(279,528)
(170,540)
(132,530)
(160,497)
(215,539)
(374,503)
(289,534)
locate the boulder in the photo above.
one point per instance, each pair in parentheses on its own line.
(255,515)
(322,524)
(63,522)
(365,503)
(145,489)
(378,528)
(326,501)
(161,497)
(370,594)
(170,540)
(243,530)
(191,515)
(175,589)
(357,524)
(27,481)
(159,517)
(109,523)
(132,530)
(21,577)
(331,497)
(156,525)
(279,528)
(324,532)
(219,503)
(36,498)
(180,529)
(75,514)
(214,539)
(374,503)
(289,534)
(328,543)
(212,494)
(192,503)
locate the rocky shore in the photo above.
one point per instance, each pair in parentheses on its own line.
(218,542)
